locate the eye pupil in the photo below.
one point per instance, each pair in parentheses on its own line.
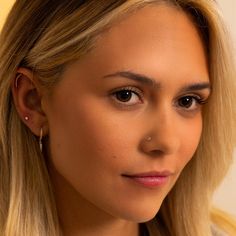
(124,95)
(186,102)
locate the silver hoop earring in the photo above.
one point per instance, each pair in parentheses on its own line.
(148,139)
(40,140)
(16,81)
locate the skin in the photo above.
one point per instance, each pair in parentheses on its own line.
(94,137)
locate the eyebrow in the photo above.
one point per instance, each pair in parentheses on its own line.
(153,83)
(136,77)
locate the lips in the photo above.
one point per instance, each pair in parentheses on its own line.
(150,174)
(150,179)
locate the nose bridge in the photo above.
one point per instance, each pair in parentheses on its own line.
(164,131)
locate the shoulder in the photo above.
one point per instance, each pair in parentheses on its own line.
(223,224)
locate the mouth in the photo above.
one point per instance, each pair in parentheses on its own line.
(150,179)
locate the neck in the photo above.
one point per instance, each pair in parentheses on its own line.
(77,216)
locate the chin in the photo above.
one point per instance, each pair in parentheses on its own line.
(140,215)
(141,218)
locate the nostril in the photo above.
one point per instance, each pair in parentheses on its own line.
(156,153)
(160,145)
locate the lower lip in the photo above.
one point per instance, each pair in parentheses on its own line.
(150,181)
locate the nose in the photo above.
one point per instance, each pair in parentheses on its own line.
(164,136)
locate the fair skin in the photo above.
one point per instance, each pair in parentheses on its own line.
(95,137)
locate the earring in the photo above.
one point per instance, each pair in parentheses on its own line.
(26,118)
(148,139)
(40,140)
(16,81)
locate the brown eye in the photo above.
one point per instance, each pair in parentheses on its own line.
(124,95)
(191,103)
(186,102)
(127,96)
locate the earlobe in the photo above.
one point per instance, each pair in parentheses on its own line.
(27,99)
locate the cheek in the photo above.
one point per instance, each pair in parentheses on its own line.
(190,137)
(85,140)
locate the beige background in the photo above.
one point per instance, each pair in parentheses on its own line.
(4,8)
(225,196)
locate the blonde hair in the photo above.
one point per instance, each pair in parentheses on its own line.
(45,36)
(224,221)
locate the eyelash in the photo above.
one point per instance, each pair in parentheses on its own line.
(133,90)
(198,99)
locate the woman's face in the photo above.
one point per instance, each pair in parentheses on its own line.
(106,105)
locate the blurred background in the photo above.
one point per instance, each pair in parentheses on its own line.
(225,196)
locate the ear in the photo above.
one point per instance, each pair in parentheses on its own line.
(27,97)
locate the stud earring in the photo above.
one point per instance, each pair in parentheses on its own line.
(40,140)
(26,118)
(148,139)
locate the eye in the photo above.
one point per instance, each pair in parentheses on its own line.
(127,96)
(190,103)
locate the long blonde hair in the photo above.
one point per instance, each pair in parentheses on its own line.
(45,36)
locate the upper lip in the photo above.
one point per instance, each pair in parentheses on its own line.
(150,174)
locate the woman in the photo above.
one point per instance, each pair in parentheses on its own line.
(117,117)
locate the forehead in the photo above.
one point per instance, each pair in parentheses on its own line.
(153,22)
(154,40)
(152,26)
